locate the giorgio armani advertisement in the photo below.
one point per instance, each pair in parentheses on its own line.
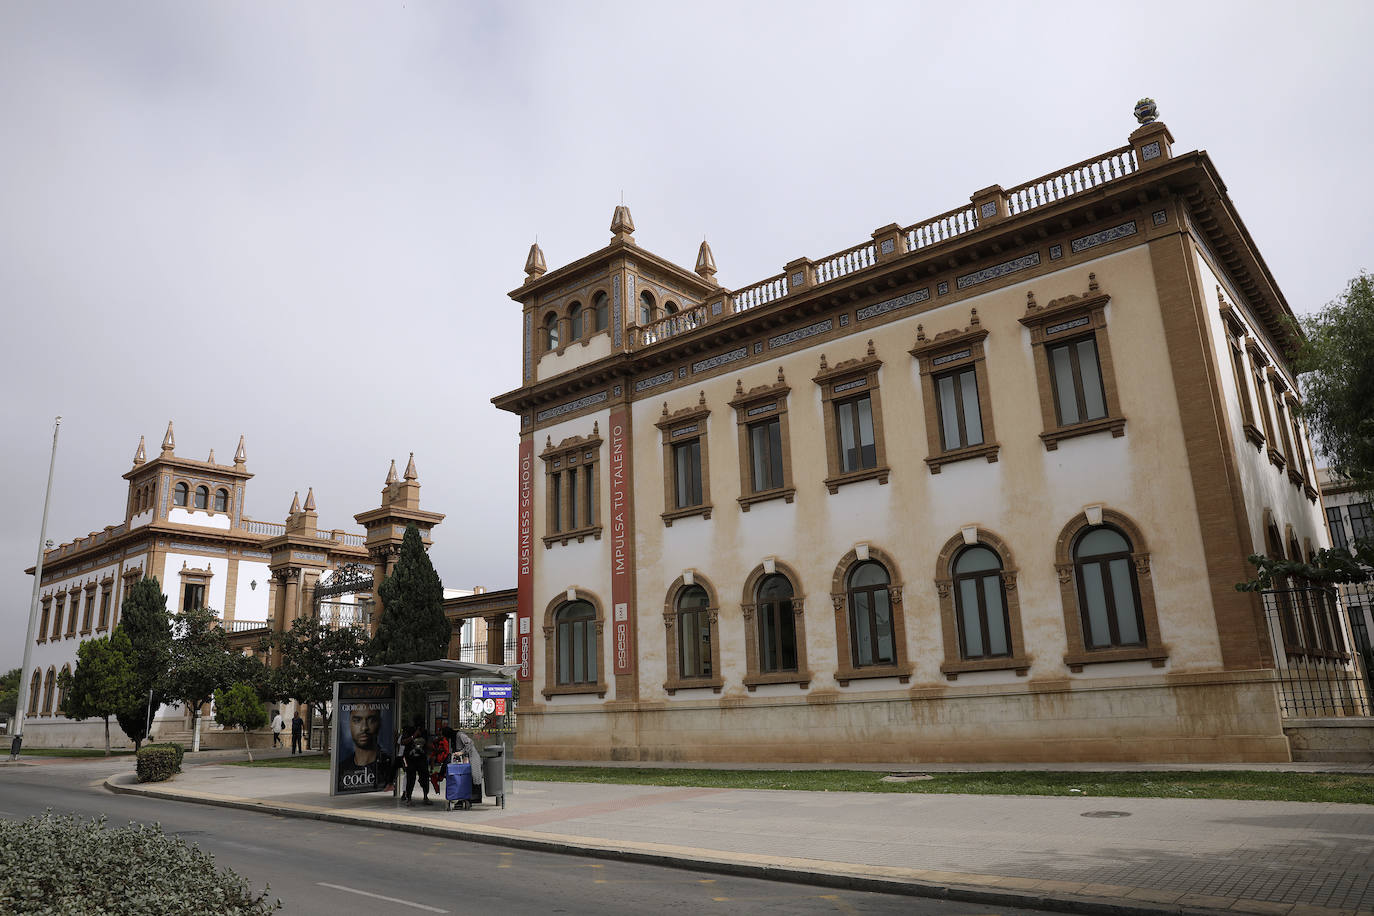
(364,735)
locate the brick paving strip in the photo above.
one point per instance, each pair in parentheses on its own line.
(1155,856)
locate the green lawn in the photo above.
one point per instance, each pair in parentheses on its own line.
(1239,784)
(67,752)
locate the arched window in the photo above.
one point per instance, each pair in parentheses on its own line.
(980,604)
(694,633)
(35,689)
(575,322)
(575,624)
(180,494)
(49,684)
(551,331)
(870,615)
(601,312)
(61,689)
(777,625)
(202,497)
(1108,595)
(670,308)
(646,307)
(221,500)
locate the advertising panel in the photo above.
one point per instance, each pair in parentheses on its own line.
(524,566)
(620,543)
(364,737)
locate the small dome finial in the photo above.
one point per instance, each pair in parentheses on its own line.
(534,264)
(706,263)
(240,456)
(310,500)
(169,441)
(1146,111)
(410,468)
(141,455)
(295,503)
(391,476)
(622,224)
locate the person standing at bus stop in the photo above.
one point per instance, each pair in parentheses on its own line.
(297,729)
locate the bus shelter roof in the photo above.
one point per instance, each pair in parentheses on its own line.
(408,672)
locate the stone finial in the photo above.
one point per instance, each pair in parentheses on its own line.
(1092,283)
(973,321)
(1146,111)
(596,428)
(548,440)
(871,351)
(824,365)
(921,333)
(169,441)
(780,381)
(141,455)
(211,459)
(310,500)
(295,504)
(391,475)
(706,263)
(739,387)
(701,397)
(622,224)
(665,409)
(1031,304)
(410,468)
(240,455)
(535,266)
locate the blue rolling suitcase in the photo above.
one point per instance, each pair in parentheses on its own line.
(458,786)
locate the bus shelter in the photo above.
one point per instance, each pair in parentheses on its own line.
(368,718)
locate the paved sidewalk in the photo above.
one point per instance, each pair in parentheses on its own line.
(1112,855)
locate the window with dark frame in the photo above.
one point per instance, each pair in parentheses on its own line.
(575,322)
(693,633)
(1361,521)
(57,617)
(601,312)
(961,420)
(73,609)
(588,494)
(202,497)
(1335,521)
(1076,380)
(181,494)
(687,474)
(551,332)
(43,627)
(870,616)
(105,596)
(1108,594)
(570,481)
(777,625)
(221,500)
(854,434)
(646,307)
(765,454)
(193,596)
(575,632)
(980,604)
(89,616)
(556,502)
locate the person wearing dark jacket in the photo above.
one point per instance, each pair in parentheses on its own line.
(297,729)
(416,754)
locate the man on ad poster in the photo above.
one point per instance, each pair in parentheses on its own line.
(364,734)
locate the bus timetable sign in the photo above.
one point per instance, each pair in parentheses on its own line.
(493,692)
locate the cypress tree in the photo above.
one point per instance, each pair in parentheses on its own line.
(143,617)
(413,627)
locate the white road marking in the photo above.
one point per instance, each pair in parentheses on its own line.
(418,906)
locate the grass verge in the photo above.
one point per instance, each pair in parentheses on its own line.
(70,752)
(1251,785)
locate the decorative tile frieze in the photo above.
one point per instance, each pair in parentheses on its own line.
(682,372)
(1103,237)
(1067,326)
(888,305)
(798,278)
(717,306)
(256,554)
(569,407)
(615,308)
(309,557)
(942,288)
(705,365)
(1150,151)
(758,346)
(988,210)
(888,246)
(783,340)
(654,381)
(684,430)
(844,319)
(1160,217)
(1056,252)
(998,270)
(951,357)
(850,386)
(529,346)
(770,407)
(200,548)
(617,391)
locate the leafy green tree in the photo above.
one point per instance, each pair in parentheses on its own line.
(201,663)
(1338,380)
(144,618)
(240,707)
(9,692)
(413,627)
(310,654)
(104,681)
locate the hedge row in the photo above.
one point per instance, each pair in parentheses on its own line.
(159,762)
(69,867)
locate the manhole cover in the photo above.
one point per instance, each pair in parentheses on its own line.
(906,777)
(1106,814)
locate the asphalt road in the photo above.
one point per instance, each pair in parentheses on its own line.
(336,869)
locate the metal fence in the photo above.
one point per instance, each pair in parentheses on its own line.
(1321,663)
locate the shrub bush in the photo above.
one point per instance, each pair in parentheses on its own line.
(63,865)
(157,763)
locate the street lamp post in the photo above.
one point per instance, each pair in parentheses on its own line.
(22,698)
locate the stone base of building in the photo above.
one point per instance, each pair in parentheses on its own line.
(1179,718)
(1336,740)
(91,734)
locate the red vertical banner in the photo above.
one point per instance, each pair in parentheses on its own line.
(623,642)
(524,581)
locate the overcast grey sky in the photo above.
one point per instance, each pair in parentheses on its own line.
(298,222)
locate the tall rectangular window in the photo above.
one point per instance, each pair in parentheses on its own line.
(1361,522)
(589,495)
(765,455)
(105,596)
(961,421)
(687,474)
(193,596)
(90,613)
(556,502)
(570,471)
(1336,523)
(57,618)
(854,430)
(1077,381)
(43,627)
(572,498)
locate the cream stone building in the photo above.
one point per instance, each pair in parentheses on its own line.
(185,524)
(977,488)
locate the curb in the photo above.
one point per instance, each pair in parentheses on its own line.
(996,892)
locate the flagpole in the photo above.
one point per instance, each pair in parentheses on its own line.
(22,700)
